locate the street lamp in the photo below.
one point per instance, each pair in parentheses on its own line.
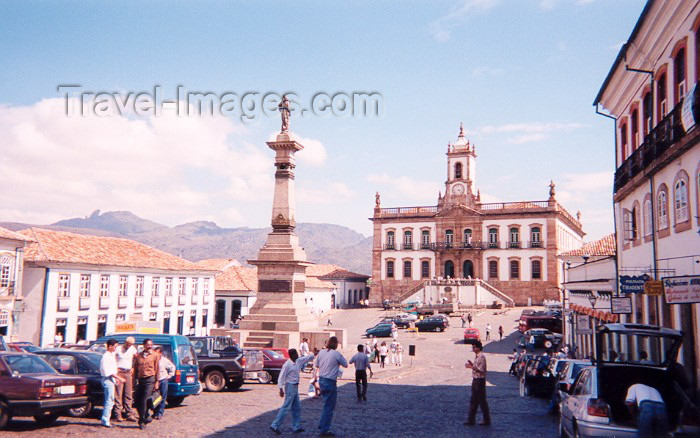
(593,297)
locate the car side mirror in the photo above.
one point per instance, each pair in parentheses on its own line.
(563,386)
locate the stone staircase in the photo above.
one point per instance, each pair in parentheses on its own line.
(259,340)
(507,300)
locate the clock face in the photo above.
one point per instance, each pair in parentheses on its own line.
(457,189)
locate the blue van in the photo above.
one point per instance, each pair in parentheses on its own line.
(176,348)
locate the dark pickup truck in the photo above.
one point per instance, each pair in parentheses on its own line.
(223,364)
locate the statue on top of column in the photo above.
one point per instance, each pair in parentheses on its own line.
(377,202)
(284,111)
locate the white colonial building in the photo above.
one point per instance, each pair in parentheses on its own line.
(11,256)
(78,287)
(651,92)
(504,251)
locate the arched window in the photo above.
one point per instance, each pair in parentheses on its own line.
(389,269)
(407,269)
(646,113)
(535,237)
(493,237)
(425,239)
(680,203)
(467,236)
(407,240)
(634,224)
(662,207)
(425,269)
(536,270)
(458,170)
(661,97)
(449,269)
(679,75)
(467,269)
(389,240)
(647,218)
(634,124)
(5,269)
(449,237)
(514,237)
(493,269)
(514,269)
(220,315)
(623,141)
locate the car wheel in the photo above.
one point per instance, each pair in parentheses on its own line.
(370,335)
(235,384)
(174,402)
(440,329)
(215,381)
(82,411)
(46,420)
(264,377)
(4,415)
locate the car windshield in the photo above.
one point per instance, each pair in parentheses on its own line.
(28,364)
(639,349)
(187,356)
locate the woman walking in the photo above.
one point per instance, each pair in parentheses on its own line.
(383,350)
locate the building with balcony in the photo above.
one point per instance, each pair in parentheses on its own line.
(11,301)
(81,286)
(510,247)
(651,93)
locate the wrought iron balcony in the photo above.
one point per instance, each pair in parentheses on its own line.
(514,245)
(474,244)
(407,246)
(494,245)
(536,244)
(667,133)
(389,246)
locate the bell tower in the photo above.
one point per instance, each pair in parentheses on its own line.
(461,171)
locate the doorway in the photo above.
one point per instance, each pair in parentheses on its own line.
(468,269)
(449,269)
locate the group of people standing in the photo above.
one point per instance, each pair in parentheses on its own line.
(122,368)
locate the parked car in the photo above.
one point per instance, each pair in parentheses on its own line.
(399,322)
(522,363)
(595,405)
(433,323)
(540,338)
(178,349)
(444,318)
(272,365)
(381,330)
(535,379)
(79,363)
(472,336)
(27,347)
(30,387)
(223,364)
(568,371)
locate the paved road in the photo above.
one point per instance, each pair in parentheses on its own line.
(428,397)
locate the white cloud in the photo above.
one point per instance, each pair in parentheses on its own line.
(314,152)
(547,5)
(484,71)
(165,168)
(405,188)
(529,132)
(441,28)
(527,138)
(328,194)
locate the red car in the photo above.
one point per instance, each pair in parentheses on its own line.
(30,387)
(273,359)
(472,336)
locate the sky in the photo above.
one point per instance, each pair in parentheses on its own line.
(521,75)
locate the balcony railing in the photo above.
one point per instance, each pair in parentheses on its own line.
(515,205)
(427,211)
(138,301)
(122,302)
(493,245)
(536,244)
(84,303)
(181,299)
(63,303)
(168,300)
(668,132)
(155,301)
(104,302)
(514,245)
(474,244)
(389,246)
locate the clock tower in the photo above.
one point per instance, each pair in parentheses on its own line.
(461,172)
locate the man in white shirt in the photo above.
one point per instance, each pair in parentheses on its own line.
(124,398)
(653,418)
(361,361)
(288,383)
(108,371)
(304,347)
(329,362)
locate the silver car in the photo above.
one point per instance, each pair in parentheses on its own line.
(626,354)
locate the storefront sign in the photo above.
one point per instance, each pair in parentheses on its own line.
(654,288)
(143,327)
(683,289)
(633,284)
(621,305)
(583,325)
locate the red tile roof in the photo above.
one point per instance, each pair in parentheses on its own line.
(217,264)
(64,247)
(343,274)
(602,247)
(7,234)
(237,278)
(320,270)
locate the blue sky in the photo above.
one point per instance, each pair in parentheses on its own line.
(520,74)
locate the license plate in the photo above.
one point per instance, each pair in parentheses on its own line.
(69,389)
(190,379)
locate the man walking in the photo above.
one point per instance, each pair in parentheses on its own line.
(124,398)
(329,362)
(110,374)
(500,332)
(478,398)
(464,320)
(361,361)
(166,370)
(304,347)
(653,418)
(469,319)
(488,331)
(288,383)
(147,366)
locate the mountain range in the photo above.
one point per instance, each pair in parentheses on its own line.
(324,243)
